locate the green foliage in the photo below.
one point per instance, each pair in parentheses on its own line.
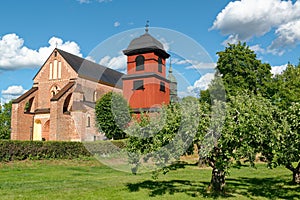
(286,87)
(112,115)
(22,150)
(238,129)
(286,149)
(241,71)
(165,137)
(5,118)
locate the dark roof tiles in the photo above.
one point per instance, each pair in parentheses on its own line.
(93,71)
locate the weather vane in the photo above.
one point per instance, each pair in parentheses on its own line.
(147,26)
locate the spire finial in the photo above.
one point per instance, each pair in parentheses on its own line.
(170,68)
(147,26)
(56,43)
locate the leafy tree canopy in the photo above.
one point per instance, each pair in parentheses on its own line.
(286,87)
(5,120)
(112,115)
(241,71)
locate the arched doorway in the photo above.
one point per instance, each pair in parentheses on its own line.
(37,130)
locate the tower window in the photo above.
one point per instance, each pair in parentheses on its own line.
(138,85)
(162,87)
(159,65)
(139,61)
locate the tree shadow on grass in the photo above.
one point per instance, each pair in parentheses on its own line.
(159,188)
(270,188)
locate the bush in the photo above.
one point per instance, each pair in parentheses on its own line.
(22,150)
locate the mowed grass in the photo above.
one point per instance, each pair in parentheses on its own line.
(89,179)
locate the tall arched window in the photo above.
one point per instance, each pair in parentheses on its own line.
(50,71)
(159,65)
(55,69)
(139,61)
(95,96)
(88,122)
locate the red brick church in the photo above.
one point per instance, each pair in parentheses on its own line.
(60,105)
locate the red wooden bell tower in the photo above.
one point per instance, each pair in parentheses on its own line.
(145,86)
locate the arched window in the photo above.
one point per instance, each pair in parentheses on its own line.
(50,71)
(88,122)
(95,96)
(28,105)
(55,69)
(59,70)
(139,61)
(159,65)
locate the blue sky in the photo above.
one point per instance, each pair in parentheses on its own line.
(30,30)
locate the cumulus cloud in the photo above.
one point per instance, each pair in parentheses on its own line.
(245,19)
(287,35)
(14,55)
(278,69)
(118,62)
(12,92)
(117,24)
(194,64)
(201,84)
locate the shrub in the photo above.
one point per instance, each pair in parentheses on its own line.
(22,150)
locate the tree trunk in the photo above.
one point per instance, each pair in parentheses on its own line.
(296,172)
(217,182)
(296,176)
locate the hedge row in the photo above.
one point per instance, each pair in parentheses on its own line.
(21,150)
(105,147)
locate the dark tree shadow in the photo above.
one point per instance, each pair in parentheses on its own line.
(270,188)
(252,188)
(193,189)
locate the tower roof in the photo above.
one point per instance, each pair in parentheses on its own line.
(145,43)
(171,77)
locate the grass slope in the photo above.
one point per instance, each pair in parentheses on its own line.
(89,179)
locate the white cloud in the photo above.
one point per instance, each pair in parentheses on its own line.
(14,55)
(83,1)
(288,35)
(278,69)
(118,63)
(201,84)
(117,24)
(257,48)
(165,43)
(12,92)
(194,64)
(242,20)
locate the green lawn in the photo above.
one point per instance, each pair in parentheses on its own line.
(88,179)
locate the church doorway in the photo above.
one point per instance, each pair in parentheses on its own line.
(37,130)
